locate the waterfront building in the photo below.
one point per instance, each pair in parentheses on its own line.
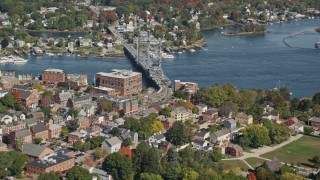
(190,88)
(124,82)
(53,76)
(80,79)
(8,82)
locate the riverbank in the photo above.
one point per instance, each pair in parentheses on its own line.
(244,33)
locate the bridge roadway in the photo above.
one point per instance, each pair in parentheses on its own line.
(152,68)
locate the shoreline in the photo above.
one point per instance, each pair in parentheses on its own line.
(244,33)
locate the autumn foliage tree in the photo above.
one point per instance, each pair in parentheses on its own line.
(108,16)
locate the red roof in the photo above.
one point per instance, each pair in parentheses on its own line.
(289,122)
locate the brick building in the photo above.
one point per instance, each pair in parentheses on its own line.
(189,88)
(124,82)
(54,131)
(23,134)
(8,82)
(105,90)
(53,76)
(40,131)
(35,151)
(13,127)
(315,122)
(28,98)
(56,163)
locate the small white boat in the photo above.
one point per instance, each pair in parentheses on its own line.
(60,54)
(50,54)
(192,50)
(180,52)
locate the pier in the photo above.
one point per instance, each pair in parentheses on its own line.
(152,68)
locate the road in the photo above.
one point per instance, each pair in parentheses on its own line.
(256,153)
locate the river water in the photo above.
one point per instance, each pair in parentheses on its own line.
(255,61)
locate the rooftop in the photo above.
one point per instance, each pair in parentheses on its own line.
(50,161)
(123,74)
(33,149)
(54,70)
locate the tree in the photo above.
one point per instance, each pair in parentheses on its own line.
(215,96)
(257,135)
(86,146)
(78,173)
(37,140)
(189,174)
(99,153)
(118,165)
(180,95)
(178,134)
(227,108)
(157,127)
(150,163)
(290,176)
(105,105)
(166,111)
(72,125)
(8,100)
(308,130)
(279,134)
(50,176)
(256,111)
(46,111)
(64,131)
(73,112)
(316,161)
(216,156)
(316,98)
(244,142)
(115,131)
(4,43)
(150,176)
(77,145)
(127,142)
(96,141)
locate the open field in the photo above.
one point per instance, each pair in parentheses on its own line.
(253,161)
(233,164)
(300,151)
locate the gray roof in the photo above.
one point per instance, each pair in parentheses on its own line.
(40,127)
(315,119)
(31,121)
(158,136)
(113,141)
(199,142)
(22,133)
(274,165)
(82,98)
(22,87)
(236,147)
(64,96)
(32,149)
(54,160)
(221,132)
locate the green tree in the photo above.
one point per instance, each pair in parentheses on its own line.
(37,140)
(256,111)
(64,131)
(166,111)
(86,146)
(308,130)
(105,105)
(99,153)
(227,108)
(216,156)
(77,145)
(180,95)
(127,142)
(178,134)
(73,112)
(316,161)
(72,125)
(150,176)
(257,135)
(119,166)
(150,163)
(96,141)
(138,154)
(290,176)
(189,174)
(215,96)
(50,176)
(78,173)
(316,98)
(115,131)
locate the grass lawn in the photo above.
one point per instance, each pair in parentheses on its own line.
(253,161)
(233,164)
(300,150)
